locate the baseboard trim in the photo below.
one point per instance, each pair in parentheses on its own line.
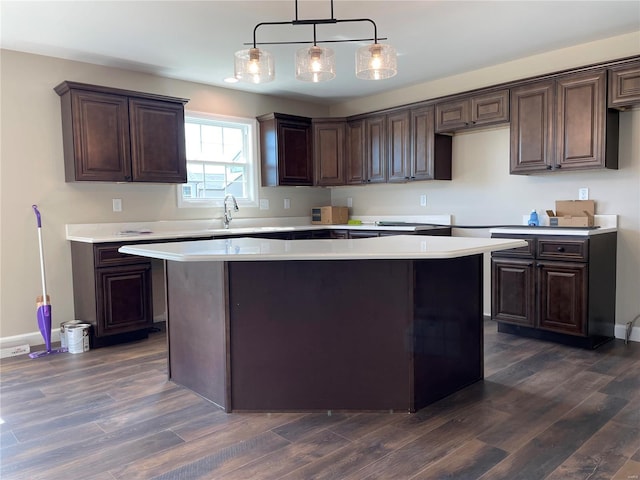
(35,338)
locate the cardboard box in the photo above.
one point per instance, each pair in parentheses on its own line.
(572,213)
(329,215)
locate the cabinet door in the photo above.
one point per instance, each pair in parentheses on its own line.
(123,299)
(490,108)
(452,116)
(430,152)
(624,85)
(513,291)
(563,297)
(356,171)
(532,127)
(157,141)
(295,161)
(97,144)
(422,143)
(328,152)
(580,120)
(376,149)
(399,146)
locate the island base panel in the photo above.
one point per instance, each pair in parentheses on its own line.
(325,335)
(197,328)
(448,327)
(385,335)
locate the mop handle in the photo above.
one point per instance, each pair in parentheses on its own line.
(35,209)
(44,284)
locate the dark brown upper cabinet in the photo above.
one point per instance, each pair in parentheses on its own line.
(329,151)
(356,171)
(399,146)
(286,157)
(563,124)
(113,135)
(472,111)
(375,152)
(624,85)
(430,152)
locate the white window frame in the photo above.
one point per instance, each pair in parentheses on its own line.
(252,170)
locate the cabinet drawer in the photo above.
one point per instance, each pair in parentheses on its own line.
(106,255)
(572,250)
(522,252)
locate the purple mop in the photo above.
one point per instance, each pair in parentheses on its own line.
(44,307)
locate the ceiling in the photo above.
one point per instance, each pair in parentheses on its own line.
(196,40)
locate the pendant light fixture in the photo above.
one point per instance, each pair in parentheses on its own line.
(316,64)
(254,66)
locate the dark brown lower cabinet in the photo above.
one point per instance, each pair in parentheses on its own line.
(112,292)
(559,288)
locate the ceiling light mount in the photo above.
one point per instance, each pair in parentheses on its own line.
(316,64)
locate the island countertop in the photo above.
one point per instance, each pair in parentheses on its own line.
(257,249)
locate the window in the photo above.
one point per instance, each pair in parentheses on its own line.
(220,161)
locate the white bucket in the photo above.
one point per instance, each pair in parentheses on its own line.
(64,326)
(78,337)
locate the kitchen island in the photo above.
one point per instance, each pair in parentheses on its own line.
(385,323)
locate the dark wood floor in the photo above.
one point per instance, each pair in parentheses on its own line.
(544,411)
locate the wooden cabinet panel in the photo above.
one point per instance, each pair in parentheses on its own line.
(562,289)
(97,138)
(563,297)
(376,149)
(399,146)
(566,250)
(563,124)
(532,127)
(624,85)
(452,116)
(356,166)
(430,151)
(581,109)
(329,152)
(113,135)
(157,141)
(285,150)
(490,108)
(513,293)
(471,111)
(124,299)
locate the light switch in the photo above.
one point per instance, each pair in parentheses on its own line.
(117,204)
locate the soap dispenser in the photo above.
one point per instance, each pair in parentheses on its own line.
(533,219)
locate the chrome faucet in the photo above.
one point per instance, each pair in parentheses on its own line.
(227,213)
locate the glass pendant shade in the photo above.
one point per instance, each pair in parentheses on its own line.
(315,64)
(376,62)
(254,66)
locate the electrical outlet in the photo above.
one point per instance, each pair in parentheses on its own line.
(349,202)
(264,204)
(583,194)
(287,203)
(117,205)
(423,200)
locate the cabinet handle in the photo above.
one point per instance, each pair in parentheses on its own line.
(558,166)
(413,178)
(548,167)
(560,249)
(407,178)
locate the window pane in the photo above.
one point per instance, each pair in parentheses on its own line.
(218,159)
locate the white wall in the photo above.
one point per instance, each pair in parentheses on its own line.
(31,171)
(483,192)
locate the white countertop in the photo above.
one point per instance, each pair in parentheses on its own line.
(175,229)
(257,249)
(605,224)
